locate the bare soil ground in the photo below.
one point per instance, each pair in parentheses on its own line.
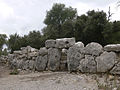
(47,81)
(51,81)
(4,70)
(44,81)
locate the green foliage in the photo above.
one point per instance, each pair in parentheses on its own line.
(59,14)
(57,19)
(68,29)
(107,32)
(4,52)
(80,25)
(14,42)
(14,72)
(115,32)
(50,32)
(33,39)
(94,26)
(89,27)
(2,40)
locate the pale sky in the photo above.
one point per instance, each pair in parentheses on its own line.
(22,16)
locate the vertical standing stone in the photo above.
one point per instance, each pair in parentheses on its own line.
(88,64)
(74,56)
(54,56)
(50,43)
(41,63)
(105,61)
(41,60)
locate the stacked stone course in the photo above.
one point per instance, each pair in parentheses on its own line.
(67,55)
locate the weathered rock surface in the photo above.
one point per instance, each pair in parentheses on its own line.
(88,64)
(41,63)
(93,49)
(26,65)
(74,56)
(64,51)
(79,44)
(54,56)
(112,47)
(23,59)
(17,52)
(28,49)
(105,61)
(50,43)
(63,60)
(20,64)
(116,69)
(64,54)
(63,66)
(43,51)
(65,42)
(13,64)
(32,54)
(4,59)
(31,65)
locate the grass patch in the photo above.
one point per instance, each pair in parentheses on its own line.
(14,72)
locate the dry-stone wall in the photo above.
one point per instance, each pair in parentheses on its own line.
(67,55)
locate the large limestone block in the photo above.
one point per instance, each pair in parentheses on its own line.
(43,51)
(112,47)
(28,49)
(116,69)
(74,56)
(17,52)
(31,65)
(88,64)
(50,43)
(65,42)
(105,61)
(54,56)
(93,49)
(79,46)
(41,63)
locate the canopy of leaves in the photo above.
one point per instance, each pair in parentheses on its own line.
(33,39)
(59,14)
(57,18)
(89,27)
(14,42)
(2,40)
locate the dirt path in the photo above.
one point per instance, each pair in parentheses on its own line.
(56,81)
(47,81)
(4,70)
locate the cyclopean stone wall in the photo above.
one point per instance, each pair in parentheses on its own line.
(67,55)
